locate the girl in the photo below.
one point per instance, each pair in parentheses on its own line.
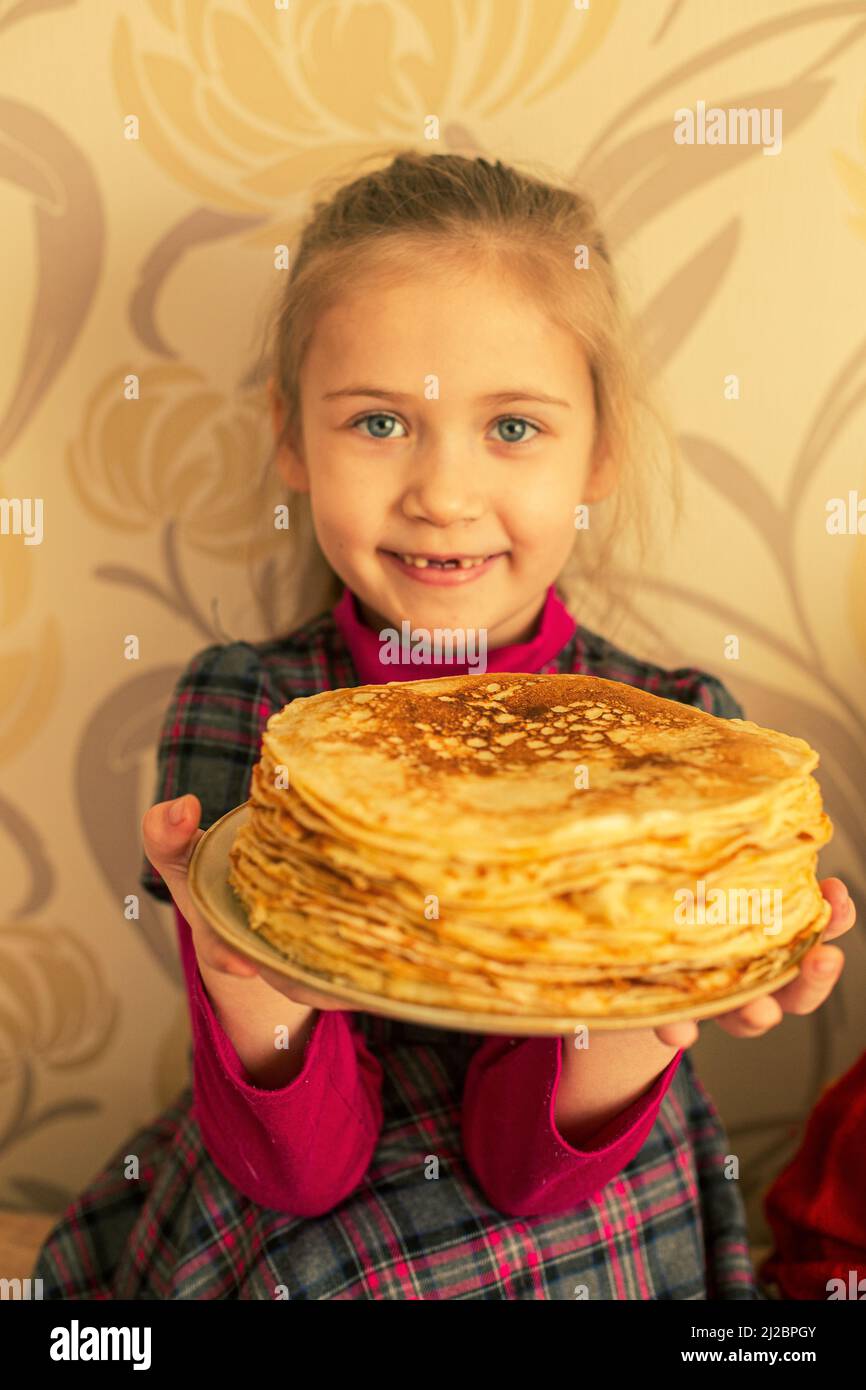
(449,388)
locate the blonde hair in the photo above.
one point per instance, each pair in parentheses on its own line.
(471,212)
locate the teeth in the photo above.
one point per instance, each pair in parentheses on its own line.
(420,563)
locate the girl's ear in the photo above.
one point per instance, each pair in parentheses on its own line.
(603,474)
(289,459)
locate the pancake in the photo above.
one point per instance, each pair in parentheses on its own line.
(538,844)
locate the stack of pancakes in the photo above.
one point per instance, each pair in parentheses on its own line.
(530,845)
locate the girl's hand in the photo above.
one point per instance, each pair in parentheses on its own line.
(169,845)
(820,970)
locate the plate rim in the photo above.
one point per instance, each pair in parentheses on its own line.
(256,948)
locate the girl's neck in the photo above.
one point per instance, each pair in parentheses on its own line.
(382,652)
(522,629)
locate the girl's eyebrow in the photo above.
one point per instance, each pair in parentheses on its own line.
(515,394)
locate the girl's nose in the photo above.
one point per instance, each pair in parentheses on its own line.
(443,492)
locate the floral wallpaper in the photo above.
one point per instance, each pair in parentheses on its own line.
(153,155)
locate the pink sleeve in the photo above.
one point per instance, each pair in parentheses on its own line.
(522,1163)
(300,1149)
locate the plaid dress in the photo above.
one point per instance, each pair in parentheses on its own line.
(670,1225)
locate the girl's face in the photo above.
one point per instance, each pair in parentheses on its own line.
(446,418)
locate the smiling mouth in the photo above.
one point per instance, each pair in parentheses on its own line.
(444,562)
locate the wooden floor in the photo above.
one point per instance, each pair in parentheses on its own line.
(21,1234)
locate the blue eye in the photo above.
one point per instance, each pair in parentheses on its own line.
(382,422)
(379,418)
(521,423)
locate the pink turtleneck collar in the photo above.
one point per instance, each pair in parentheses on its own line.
(555,628)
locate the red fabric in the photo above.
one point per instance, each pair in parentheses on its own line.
(523,1164)
(555,627)
(816,1208)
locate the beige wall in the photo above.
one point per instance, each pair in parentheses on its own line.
(155,256)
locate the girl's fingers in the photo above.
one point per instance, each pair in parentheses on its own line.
(844,912)
(753,1019)
(803,995)
(812,986)
(678,1034)
(210,948)
(169,843)
(169,846)
(298,993)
